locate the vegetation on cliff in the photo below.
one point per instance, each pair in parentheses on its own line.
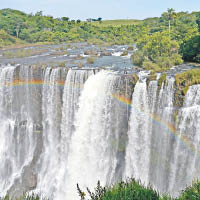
(183,81)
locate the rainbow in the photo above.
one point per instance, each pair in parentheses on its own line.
(17,82)
(169,127)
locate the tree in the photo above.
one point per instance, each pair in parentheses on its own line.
(99,19)
(198,20)
(40,13)
(65,19)
(191,49)
(169,15)
(78,21)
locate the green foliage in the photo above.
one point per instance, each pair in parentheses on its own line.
(191,193)
(159,45)
(188,78)
(191,49)
(157,52)
(134,190)
(6,39)
(130,189)
(138,58)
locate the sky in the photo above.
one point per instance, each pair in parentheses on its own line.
(107,9)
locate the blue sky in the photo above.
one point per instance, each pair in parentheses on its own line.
(107,9)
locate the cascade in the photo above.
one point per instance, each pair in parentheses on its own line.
(18,129)
(148,150)
(51,113)
(186,161)
(95,153)
(61,127)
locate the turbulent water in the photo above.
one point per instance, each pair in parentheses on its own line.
(61,127)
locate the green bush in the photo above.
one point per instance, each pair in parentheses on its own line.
(148,65)
(130,189)
(137,58)
(191,193)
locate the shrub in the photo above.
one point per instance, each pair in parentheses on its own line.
(125,53)
(177,59)
(91,60)
(191,193)
(130,48)
(130,189)
(137,58)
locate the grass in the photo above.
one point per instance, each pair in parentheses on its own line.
(24,197)
(117,22)
(21,53)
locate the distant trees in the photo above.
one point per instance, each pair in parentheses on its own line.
(65,19)
(78,21)
(94,20)
(156,40)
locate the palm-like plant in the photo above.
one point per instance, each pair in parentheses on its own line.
(171,15)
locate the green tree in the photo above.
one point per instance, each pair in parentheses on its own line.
(191,49)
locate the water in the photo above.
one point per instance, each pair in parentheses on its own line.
(94,151)
(18,137)
(187,151)
(61,127)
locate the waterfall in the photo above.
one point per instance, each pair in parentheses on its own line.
(148,150)
(18,138)
(51,110)
(187,150)
(73,86)
(60,127)
(94,147)
(138,149)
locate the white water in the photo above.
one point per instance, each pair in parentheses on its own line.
(138,148)
(51,112)
(187,146)
(94,145)
(56,135)
(18,140)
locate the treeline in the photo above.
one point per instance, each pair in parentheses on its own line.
(34,28)
(161,41)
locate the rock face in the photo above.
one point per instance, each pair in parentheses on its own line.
(60,127)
